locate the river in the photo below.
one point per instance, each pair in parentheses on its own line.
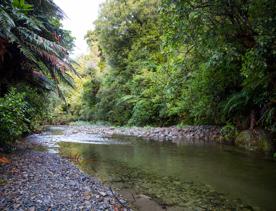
(161,175)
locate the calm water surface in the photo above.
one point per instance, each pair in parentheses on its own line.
(186,175)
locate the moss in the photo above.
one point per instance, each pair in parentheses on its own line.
(256,140)
(3,182)
(39,148)
(243,139)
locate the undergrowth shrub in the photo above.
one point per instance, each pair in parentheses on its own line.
(229,132)
(13,120)
(22,110)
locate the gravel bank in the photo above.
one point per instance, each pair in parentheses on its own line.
(203,133)
(44,181)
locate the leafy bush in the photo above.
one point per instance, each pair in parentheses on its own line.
(38,105)
(22,110)
(144,113)
(13,120)
(229,132)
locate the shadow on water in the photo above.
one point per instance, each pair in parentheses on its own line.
(202,176)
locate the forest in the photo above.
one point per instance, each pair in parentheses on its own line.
(172,106)
(187,62)
(151,63)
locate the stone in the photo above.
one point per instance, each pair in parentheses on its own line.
(59,185)
(103,194)
(143,196)
(254,140)
(31,209)
(16,206)
(87,195)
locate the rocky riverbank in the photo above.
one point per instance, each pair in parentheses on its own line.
(36,180)
(43,181)
(252,140)
(175,134)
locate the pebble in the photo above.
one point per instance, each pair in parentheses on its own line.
(50,182)
(45,181)
(203,133)
(103,194)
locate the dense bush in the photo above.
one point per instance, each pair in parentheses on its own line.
(34,51)
(22,110)
(190,62)
(13,120)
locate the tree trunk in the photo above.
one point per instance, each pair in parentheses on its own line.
(252,119)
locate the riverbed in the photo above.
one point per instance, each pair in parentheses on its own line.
(165,175)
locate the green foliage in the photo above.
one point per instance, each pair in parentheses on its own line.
(189,62)
(34,60)
(126,34)
(12,116)
(22,6)
(22,109)
(229,62)
(38,106)
(32,40)
(229,132)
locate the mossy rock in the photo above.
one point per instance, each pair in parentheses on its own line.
(254,140)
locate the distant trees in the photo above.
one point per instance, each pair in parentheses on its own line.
(185,61)
(128,38)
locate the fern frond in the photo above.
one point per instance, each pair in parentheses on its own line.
(235,102)
(128,98)
(268,116)
(33,35)
(65,78)
(43,81)
(32,57)
(34,24)
(6,23)
(40,42)
(6,20)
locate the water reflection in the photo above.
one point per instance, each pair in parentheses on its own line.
(198,176)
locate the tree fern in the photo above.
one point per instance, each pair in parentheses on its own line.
(236,102)
(32,32)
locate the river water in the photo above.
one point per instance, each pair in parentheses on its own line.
(181,176)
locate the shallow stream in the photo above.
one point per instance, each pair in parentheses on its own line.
(155,176)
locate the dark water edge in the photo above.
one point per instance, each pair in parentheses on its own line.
(196,176)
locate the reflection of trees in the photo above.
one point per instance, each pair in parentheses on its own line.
(166,170)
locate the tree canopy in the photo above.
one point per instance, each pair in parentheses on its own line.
(190,62)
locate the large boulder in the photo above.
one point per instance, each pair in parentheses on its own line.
(254,140)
